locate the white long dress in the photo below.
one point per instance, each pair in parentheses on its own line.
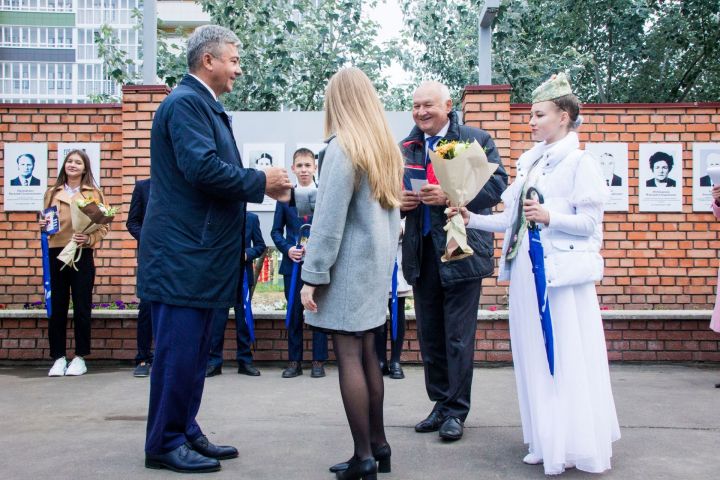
(568,418)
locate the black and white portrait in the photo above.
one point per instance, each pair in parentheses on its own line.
(261,156)
(25,176)
(612,158)
(706,173)
(660,167)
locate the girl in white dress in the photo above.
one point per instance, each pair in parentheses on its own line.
(568,419)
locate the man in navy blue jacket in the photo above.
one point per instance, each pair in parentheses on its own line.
(136,216)
(254,248)
(285,233)
(196,209)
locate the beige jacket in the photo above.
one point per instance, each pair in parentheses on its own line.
(62,201)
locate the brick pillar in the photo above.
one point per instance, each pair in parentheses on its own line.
(488,107)
(138,108)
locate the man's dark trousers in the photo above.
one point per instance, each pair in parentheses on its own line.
(220,318)
(144,334)
(447,321)
(295,329)
(182,347)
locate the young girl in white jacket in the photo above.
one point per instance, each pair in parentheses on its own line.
(568,418)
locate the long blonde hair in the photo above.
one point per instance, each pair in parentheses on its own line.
(354,113)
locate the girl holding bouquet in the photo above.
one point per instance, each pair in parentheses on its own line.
(75,182)
(350,257)
(568,417)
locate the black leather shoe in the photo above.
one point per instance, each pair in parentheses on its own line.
(293,370)
(212,371)
(183,460)
(318,370)
(248,369)
(431,423)
(382,455)
(359,470)
(396,371)
(205,447)
(451,429)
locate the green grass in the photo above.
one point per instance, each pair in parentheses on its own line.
(268,287)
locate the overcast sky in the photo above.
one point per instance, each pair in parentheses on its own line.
(387,13)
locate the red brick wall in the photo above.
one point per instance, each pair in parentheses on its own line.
(683,338)
(653,260)
(21,280)
(123,132)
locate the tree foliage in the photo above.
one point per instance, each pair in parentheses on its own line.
(289,50)
(614,50)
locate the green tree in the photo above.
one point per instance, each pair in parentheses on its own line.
(288,50)
(121,70)
(439,42)
(614,50)
(117,67)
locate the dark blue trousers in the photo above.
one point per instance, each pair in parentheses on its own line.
(295,330)
(219,322)
(144,334)
(182,347)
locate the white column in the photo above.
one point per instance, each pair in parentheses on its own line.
(149,44)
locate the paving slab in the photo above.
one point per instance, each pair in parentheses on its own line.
(93,427)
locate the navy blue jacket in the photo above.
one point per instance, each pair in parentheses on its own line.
(138,205)
(478,265)
(253,236)
(285,229)
(196,210)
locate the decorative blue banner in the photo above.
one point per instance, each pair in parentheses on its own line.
(394,309)
(249,319)
(46,271)
(296,269)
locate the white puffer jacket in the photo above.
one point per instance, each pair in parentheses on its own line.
(574,191)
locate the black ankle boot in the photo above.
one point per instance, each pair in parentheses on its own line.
(382,457)
(359,470)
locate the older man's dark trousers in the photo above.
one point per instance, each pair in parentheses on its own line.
(447,322)
(182,347)
(144,334)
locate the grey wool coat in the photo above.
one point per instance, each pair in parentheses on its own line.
(351,250)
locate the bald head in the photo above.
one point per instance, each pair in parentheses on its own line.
(431,106)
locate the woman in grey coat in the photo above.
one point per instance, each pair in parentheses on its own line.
(350,256)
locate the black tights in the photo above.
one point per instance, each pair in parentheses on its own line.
(362,390)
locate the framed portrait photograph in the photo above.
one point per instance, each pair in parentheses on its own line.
(25,178)
(613,161)
(705,156)
(661,173)
(261,156)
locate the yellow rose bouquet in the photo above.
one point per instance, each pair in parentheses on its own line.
(462,169)
(87,215)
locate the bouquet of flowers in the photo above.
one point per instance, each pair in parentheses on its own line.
(462,169)
(87,215)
